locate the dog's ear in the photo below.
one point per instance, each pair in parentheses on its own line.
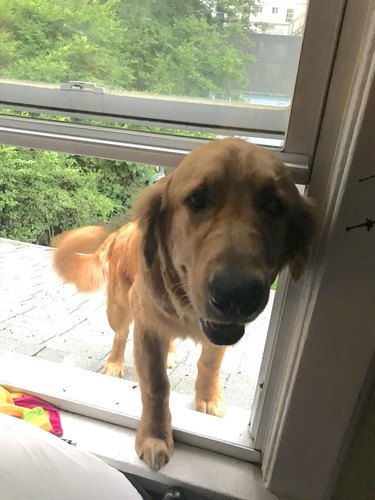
(300,232)
(149,211)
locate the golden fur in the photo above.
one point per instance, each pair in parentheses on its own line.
(198,262)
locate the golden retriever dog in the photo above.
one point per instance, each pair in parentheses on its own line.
(198,262)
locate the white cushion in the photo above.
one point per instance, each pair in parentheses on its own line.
(37,465)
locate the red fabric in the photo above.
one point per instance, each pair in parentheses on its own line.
(53,414)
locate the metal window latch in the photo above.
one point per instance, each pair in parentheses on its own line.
(369,223)
(82,87)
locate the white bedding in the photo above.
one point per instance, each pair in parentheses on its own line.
(37,465)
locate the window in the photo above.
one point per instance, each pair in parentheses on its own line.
(52,323)
(194,76)
(310,412)
(86,133)
(139,108)
(289,15)
(275,10)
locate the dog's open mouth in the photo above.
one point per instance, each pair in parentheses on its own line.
(222,333)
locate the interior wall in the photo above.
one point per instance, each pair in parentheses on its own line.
(357,478)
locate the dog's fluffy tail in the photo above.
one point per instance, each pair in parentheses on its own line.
(76,259)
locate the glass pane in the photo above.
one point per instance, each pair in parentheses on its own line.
(228,50)
(43,193)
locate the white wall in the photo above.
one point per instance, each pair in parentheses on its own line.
(275,13)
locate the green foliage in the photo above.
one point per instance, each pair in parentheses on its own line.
(196,48)
(8,48)
(65,40)
(275,283)
(189,48)
(43,193)
(179,65)
(120,182)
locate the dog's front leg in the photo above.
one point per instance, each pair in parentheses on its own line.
(208,394)
(154,441)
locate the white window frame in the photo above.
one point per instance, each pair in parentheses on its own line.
(317,350)
(324,343)
(266,122)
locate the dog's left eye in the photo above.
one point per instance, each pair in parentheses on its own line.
(198,200)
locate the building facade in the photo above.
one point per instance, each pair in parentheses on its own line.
(281,17)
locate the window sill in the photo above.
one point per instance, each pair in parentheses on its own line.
(198,471)
(100,414)
(118,401)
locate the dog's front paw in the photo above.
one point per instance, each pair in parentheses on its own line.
(214,407)
(113,369)
(154,451)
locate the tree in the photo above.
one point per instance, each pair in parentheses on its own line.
(64,40)
(193,48)
(43,193)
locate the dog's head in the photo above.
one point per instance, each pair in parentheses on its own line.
(217,231)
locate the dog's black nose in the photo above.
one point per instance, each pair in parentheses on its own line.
(236,295)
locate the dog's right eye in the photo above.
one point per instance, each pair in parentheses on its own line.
(198,200)
(269,202)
